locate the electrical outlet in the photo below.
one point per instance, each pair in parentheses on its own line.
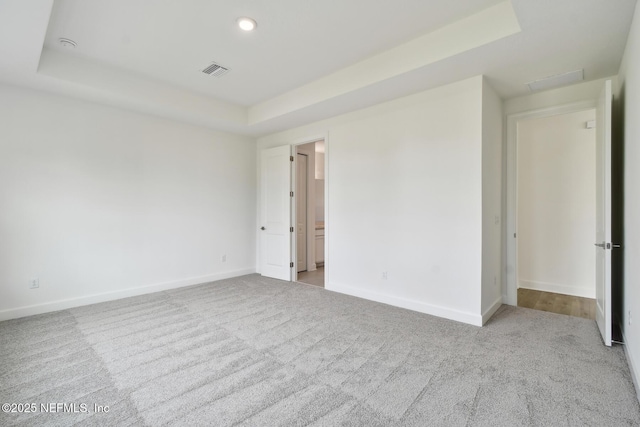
(223,258)
(34,283)
(384,275)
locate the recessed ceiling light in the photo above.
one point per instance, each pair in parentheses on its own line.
(247,24)
(68,43)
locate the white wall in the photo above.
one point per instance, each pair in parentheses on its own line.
(319,200)
(576,93)
(319,175)
(630,90)
(405,197)
(100,203)
(310,150)
(319,164)
(491,201)
(557,204)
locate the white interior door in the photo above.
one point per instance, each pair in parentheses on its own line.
(275,234)
(603,213)
(301,211)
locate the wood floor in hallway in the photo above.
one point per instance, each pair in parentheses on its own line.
(312,277)
(557,303)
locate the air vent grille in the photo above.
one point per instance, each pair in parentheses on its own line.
(216,70)
(556,81)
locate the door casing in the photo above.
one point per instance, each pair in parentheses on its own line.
(510,285)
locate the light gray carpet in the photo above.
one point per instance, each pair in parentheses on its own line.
(260,352)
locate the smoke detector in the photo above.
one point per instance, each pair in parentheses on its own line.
(216,70)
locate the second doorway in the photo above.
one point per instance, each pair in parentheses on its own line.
(309,213)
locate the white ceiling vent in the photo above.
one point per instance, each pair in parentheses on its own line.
(556,81)
(216,70)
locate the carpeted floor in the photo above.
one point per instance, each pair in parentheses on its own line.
(261,352)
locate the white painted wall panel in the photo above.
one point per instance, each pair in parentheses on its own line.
(630,84)
(556,204)
(99,203)
(572,94)
(491,201)
(405,197)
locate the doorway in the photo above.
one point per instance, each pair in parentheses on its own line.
(555,212)
(310,213)
(277,207)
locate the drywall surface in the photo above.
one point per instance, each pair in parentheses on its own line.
(630,90)
(100,203)
(309,150)
(579,92)
(557,204)
(319,180)
(405,199)
(491,201)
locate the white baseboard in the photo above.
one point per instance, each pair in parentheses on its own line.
(47,307)
(632,368)
(434,310)
(491,310)
(557,288)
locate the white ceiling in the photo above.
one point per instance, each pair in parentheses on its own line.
(307,60)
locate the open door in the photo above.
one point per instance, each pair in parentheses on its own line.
(603,213)
(275,238)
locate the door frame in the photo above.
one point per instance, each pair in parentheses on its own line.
(510,290)
(294,145)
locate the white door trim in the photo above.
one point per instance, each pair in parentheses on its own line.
(510,292)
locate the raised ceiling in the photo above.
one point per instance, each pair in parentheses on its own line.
(307,60)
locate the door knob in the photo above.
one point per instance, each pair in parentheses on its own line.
(600,245)
(262,228)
